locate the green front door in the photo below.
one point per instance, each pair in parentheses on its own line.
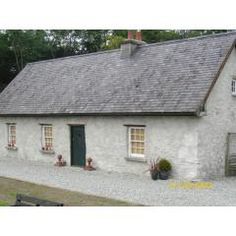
(78,147)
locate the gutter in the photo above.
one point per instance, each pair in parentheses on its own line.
(105,114)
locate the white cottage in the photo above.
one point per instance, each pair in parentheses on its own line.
(123,107)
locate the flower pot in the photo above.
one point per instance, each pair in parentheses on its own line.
(59,157)
(154,175)
(164,175)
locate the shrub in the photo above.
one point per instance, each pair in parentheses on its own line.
(165,165)
(154,165)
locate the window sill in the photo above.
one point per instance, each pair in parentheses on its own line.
(47,151)
(11,148)
(136,159)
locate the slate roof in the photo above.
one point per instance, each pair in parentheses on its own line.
(172,77)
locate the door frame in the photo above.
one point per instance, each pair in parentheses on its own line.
(228,156)
(71,127)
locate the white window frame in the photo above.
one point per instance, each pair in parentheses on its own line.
(233,87)
(9,134)
(135,155)
(43,141)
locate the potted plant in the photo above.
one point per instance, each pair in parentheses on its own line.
(60,161)
(165,168)
(89,166)
(59,158)
(154,169)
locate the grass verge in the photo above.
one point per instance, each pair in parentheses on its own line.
(10,187)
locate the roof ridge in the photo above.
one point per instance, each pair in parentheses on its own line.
(189,39)
(140,46)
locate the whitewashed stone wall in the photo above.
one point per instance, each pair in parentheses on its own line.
(220,119)
(174,138)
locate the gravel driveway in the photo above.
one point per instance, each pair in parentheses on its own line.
(127,187)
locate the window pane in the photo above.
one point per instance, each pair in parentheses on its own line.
(137,141)
(12,134)
(137,134)
(137,147)
(47,142)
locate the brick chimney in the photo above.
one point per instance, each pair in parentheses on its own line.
(130,45)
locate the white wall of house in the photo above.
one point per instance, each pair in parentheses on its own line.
(174,138)
(220,119)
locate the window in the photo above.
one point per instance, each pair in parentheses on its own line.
(233,87)
(136,141)
(47,139)
(11,135)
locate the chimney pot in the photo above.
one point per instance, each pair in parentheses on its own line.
(130,35)
(138,35)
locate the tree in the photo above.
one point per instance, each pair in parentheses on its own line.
(92,40)
(6,62)
(113,41)
(153,36)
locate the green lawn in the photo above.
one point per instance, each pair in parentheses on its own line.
(10,187)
